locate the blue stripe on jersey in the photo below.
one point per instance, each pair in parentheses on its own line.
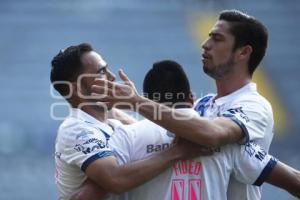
(200,107)
(107,136)
(241,125)
(95,157)
(267,170)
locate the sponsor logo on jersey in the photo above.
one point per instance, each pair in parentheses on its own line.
(151,148)
(239,111)
(91,145)
(255,150)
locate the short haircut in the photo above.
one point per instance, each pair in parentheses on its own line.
(167,82)
(66,66)
(247,31)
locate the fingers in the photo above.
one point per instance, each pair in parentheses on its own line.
(123,76)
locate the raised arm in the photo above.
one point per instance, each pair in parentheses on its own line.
(211,133)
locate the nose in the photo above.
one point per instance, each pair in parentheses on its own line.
(206,45)
(110,76)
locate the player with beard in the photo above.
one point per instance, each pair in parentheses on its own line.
(237,113)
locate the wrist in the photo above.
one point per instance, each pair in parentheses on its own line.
(174,154)
(138,100)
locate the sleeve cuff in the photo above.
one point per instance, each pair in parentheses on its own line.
(245,138)
(266,171)
(91,159)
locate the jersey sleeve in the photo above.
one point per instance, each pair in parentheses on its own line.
(122,144)
(254,118)
(83,145)
(252,164)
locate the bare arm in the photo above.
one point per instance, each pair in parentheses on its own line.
(210,133)
(285,177)
(106,173)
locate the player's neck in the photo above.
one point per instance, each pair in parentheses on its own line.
(231,84)
(96,112)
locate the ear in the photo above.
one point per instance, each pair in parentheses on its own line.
(75,88)
(190,99)
(244,52)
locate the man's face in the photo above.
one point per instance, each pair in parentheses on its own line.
(218,57)
(94,67)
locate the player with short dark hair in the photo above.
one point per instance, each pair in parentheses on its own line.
(166,82)
(237,113)
(86,142)
(197,178)
(247,31)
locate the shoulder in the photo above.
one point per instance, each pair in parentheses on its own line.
(73,130)
(201,103)
(254,102)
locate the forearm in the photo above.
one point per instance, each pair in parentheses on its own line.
(197,129)
(134,174)
(119,178)
(285,177)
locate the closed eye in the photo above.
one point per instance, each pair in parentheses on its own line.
(216,36)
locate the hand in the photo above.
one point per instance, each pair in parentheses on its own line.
(121,95)
(89,191)
(189,150)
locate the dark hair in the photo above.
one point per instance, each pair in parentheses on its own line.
(168,80)
(67,66)
(247,31)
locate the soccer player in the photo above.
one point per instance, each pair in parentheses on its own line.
(237,113)
(201,178)
(205,177)
(87,143)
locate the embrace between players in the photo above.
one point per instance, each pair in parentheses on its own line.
(214,148)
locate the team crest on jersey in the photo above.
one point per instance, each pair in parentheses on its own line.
(202,104)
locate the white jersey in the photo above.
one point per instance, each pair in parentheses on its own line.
(204,178)
(82,139)
(253,113)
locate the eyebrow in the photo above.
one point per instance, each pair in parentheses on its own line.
(215,34)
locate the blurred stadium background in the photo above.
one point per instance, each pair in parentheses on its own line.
(131,34)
